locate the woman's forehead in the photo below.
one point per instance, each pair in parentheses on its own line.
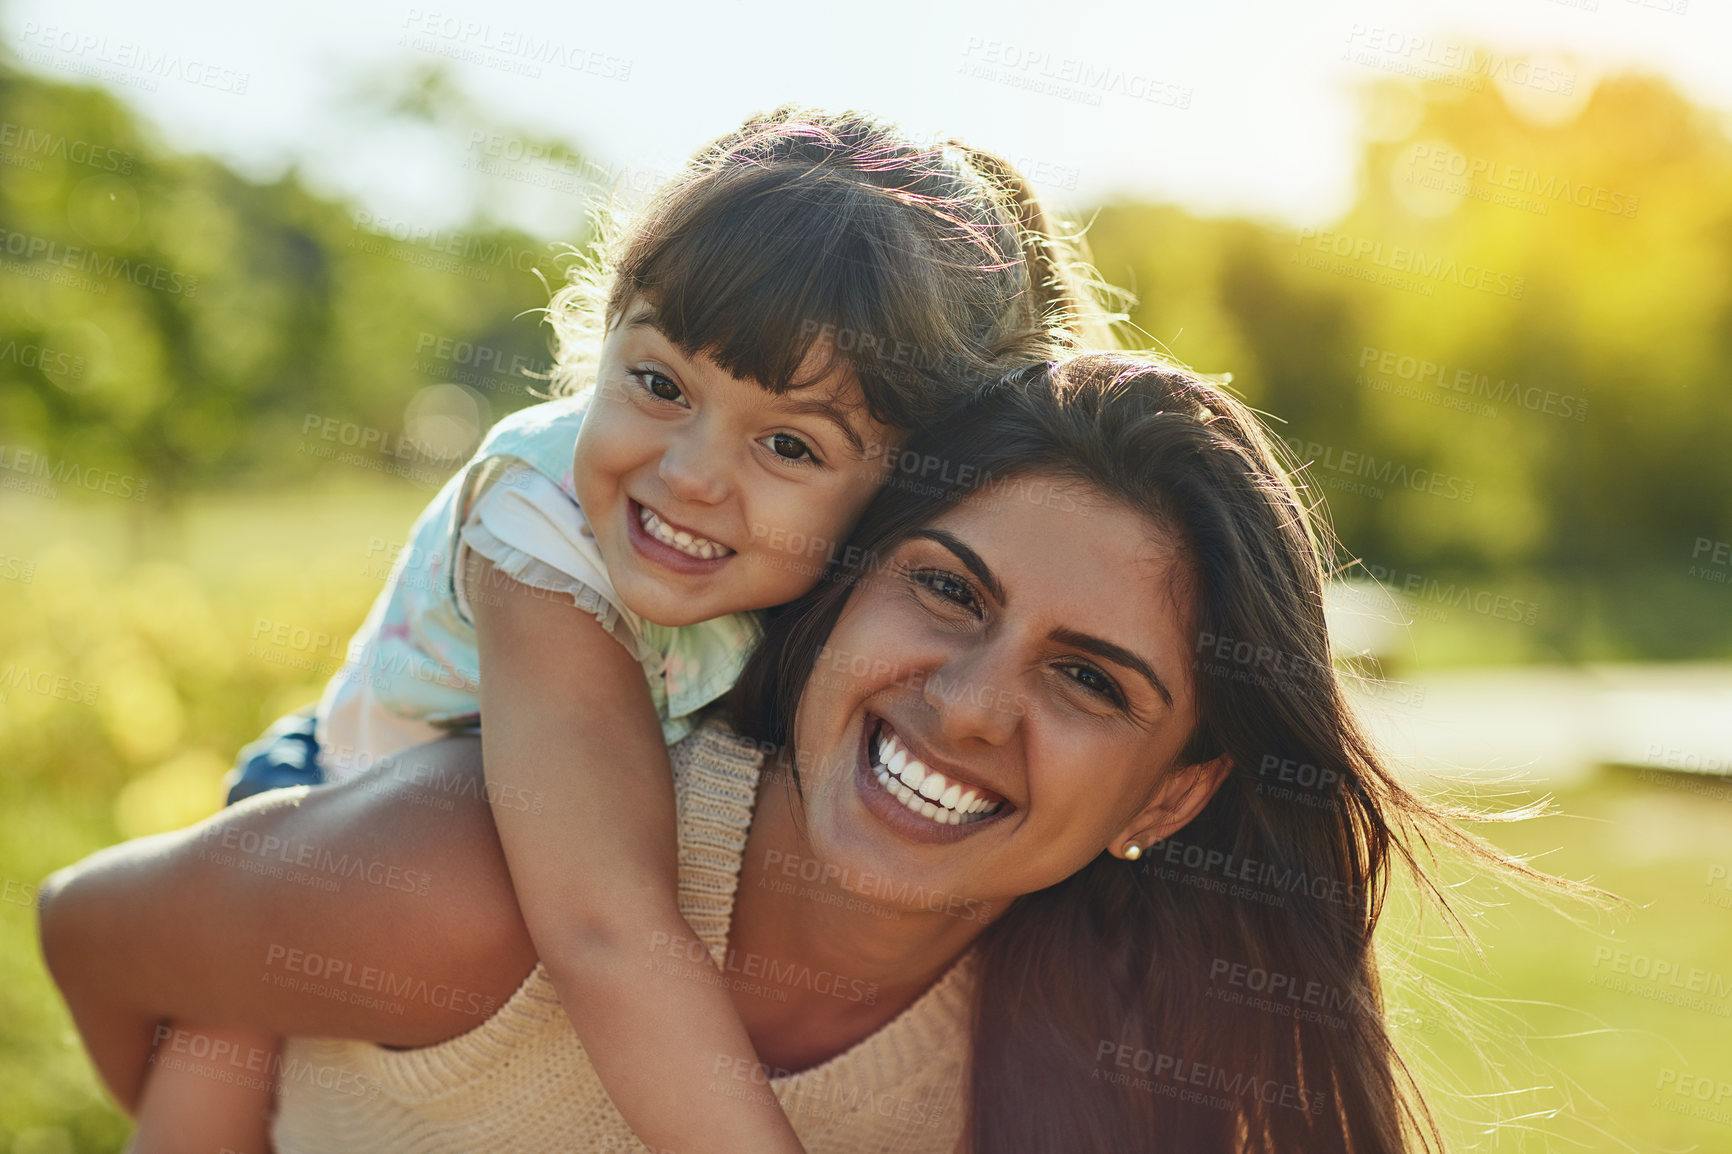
(1026,511)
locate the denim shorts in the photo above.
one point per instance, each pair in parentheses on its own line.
(288,755)
(285,756)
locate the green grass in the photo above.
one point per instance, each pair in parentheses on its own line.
(161,617)
(1554,1014)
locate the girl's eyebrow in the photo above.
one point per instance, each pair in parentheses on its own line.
(830,411)
(646,318)
(643,314)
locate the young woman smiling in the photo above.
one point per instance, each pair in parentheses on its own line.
(1031,814)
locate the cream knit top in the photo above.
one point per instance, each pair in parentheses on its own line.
(520,1081)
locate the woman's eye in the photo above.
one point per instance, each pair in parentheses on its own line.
(1096,682)
(948,586)
(789,447)
(659,386)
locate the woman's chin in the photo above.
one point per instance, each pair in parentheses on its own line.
(877,848)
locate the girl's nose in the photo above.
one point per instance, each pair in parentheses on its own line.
(696,470)
(974,698)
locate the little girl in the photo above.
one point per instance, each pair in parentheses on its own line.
(807,291)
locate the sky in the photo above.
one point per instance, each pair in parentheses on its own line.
(1251,108)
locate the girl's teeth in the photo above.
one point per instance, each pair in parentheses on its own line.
(693,546)
(926,792)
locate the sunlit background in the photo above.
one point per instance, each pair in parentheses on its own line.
(267,275)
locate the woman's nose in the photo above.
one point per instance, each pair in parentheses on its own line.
(696,469)
(975,697)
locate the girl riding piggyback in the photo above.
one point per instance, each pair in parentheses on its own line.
(732,372)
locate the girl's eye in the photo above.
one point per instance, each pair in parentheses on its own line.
(659,386)
(1096,682)
(948,586)
(789,447)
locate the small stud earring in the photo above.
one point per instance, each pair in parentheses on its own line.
(1132,852)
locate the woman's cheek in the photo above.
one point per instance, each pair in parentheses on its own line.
(863,630)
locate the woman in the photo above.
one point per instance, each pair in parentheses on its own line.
(1094,604)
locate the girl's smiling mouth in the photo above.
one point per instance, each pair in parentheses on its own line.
(672,546)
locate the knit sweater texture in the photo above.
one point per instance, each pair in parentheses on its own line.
(520,1081)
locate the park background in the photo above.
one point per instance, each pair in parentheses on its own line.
(264,283)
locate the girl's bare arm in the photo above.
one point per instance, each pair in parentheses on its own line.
(377,909)
(583,796)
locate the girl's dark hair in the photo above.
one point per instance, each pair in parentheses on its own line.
(924,268)
(1118,1010)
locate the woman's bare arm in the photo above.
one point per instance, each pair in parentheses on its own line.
(378,909)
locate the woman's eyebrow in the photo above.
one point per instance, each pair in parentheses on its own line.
(1117,654)
(969,558)
(1086,642)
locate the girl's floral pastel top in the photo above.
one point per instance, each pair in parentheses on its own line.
(413,669)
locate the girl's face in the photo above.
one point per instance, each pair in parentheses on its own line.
(1029,649)
(709,494)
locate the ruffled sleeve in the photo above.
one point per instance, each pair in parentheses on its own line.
(535,534)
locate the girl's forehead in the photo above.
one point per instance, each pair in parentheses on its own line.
(801,344)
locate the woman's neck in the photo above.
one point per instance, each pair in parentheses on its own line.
(817,967)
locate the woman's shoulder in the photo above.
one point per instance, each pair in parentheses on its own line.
(715,792)
(716,746)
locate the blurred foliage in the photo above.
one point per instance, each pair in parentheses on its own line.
(1617,223)
(1508,360)
(127,682)
(197,324)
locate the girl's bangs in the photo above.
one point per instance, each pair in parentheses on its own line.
(784,283)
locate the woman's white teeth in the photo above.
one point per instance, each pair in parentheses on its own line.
(693,546)
(925,791)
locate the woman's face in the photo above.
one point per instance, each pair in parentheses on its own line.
(1029,645)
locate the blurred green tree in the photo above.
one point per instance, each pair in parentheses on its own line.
(164,318)
(1508,358)
(1538,308)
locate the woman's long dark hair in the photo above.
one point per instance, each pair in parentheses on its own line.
(1220,993)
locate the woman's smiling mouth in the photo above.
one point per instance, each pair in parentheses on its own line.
(913,796)
(925,791)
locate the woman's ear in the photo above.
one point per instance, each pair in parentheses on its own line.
(1181,796)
